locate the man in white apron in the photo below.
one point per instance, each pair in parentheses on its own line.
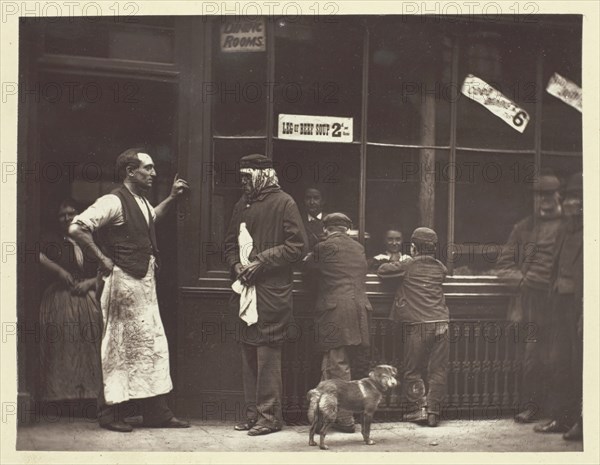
(134,352)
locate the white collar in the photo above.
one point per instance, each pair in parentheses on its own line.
(312,218)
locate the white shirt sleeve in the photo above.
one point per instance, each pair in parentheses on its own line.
(107,210)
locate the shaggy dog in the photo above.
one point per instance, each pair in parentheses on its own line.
(362,396)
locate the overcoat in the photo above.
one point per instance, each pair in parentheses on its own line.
(342,307)
(274,222)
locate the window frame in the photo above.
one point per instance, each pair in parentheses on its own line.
(457,39)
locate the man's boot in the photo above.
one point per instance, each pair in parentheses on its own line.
(575,433)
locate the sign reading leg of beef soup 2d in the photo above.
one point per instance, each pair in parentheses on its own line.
(492,99)
(315,128)
(239,35)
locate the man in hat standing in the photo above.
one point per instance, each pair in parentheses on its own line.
(270,222)
(527,259)
(420,306)
(134,353)
(566,317)
(342,307)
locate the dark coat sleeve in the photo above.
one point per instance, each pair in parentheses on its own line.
(294,240)
(511,262)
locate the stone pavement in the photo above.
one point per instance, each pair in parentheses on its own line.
(497,435)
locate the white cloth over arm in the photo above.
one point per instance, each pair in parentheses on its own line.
(248,311)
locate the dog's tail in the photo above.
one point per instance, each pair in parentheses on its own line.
(314,415)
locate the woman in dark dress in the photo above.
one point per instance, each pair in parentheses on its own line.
(70,317)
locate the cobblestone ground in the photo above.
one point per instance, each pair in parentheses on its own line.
(501,435)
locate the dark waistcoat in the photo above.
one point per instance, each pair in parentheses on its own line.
(130,244)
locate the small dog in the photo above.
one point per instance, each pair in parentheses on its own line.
(362,396)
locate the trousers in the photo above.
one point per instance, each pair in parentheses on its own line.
(263,386)
(566,360)
(536,363)
(426,356)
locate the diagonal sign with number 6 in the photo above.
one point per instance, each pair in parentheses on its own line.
(496,102)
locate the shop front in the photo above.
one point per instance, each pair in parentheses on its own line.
(371,110)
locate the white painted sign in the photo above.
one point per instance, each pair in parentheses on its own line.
(315,128)
(565,90)
(239,35)
(492,99)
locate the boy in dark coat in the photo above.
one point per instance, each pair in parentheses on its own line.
(342,308)
(272,219)
(421,308)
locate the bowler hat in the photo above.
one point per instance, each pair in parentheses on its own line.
(575,183)
(423,234)
(337,219)
(256,161)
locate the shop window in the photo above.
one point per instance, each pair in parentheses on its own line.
(561,123)
(409,83)
(239,90)
(318,69)
(493,192)
(505,58)
(406,188)
(334,169)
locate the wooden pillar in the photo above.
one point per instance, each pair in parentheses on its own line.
(427,161)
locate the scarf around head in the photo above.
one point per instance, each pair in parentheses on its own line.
(263,182)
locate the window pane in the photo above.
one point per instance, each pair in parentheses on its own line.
(505,59)
(562,166)
(331,168)
(131,38)
(406,188)
(493,192)
(239,90)
(409,82)
(561,125)
(318,68)
(226,191)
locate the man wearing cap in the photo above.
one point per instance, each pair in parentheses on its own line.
(527,260)
(566,317)
(134,353)
(421,308)
(271,219)
(342,307)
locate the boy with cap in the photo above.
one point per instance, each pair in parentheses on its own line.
(421,308)
(342,307)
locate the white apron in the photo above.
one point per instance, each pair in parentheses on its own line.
(135,354)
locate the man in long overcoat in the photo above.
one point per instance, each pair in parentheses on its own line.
(272,220)
(566,317)
(527,259)
(342,307)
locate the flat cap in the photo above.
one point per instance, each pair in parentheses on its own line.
(256,161)
(337,219)
(424,235)
(575,183)
(547,183)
